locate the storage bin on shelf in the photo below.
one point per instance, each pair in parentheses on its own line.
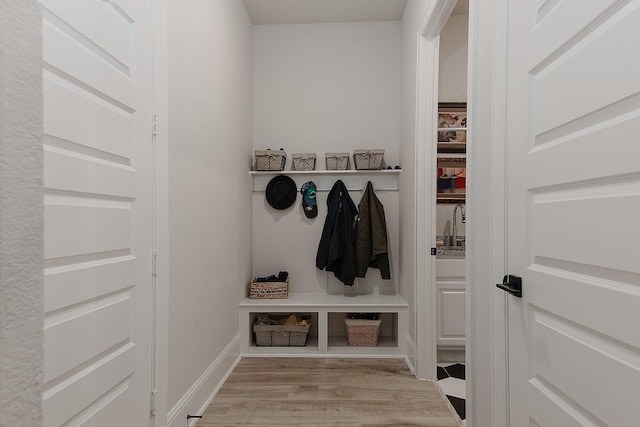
(268,290)
(282,335)
(368,159)
(303,161)
(270,160)
(337,161)
(363,332)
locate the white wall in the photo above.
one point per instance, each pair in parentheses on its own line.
(209,56)
(287,240)
(323,88)
(452,83)
(444,220)
(21,213)
(327,88)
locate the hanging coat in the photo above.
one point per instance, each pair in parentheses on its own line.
(336,251)
(371,236)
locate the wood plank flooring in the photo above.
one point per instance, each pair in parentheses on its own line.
(326,392)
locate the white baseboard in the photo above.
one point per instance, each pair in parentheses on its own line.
(202,392)
(411,354)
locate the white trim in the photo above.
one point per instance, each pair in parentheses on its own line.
(436,15)
(435,18)
(410,357)
(161,244)
(486,324)
(498,250)
(202,392)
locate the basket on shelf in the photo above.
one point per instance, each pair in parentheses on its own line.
(268,290)
(337,161)
(368,159)
(303,161)
(281,335)
(270,160)
(362,332)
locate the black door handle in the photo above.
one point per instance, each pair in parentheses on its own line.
(512,284)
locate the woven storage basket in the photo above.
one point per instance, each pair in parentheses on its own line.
(268,290)
(281,335)
(303,161)
(337,161)
(368,159)
(362,333)
(270,160)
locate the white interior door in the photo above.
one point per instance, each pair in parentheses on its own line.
(573,208)
(97,160)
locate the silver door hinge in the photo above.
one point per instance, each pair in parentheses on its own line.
(155,124)
(154,263)
(152,402)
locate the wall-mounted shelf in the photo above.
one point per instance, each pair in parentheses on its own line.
(452,160)
(329,172)
(355,180)
(451,197)
(452,147)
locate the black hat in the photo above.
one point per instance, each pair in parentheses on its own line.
(281,192)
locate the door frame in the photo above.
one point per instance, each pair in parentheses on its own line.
(485,311)
(160,303)
(436,15)
(486,315)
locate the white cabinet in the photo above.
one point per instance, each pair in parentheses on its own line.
(327,335)
(450,298)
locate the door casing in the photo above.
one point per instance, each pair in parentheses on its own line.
(485,260)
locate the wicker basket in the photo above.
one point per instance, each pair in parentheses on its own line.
(368,159)
(268,290)
(303,161)
(281,335)
(337,161)
(362,333)
(270,160)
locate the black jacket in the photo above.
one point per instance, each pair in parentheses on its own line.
(336,251)
(371,236)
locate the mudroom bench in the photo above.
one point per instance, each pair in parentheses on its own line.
(327,335)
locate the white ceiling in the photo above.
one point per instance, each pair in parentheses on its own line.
(316,11)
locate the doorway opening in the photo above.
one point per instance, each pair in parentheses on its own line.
(441,196)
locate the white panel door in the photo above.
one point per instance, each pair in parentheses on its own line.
(573,209)
(98,195)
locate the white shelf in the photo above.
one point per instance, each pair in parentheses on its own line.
(354,180)
(301,301)
(310,349)
(339,346)
(319,305)
(328,172)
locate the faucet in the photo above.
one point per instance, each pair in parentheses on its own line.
(464,220)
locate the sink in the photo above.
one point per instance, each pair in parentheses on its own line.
(444,246)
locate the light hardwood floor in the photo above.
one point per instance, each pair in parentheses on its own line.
(326,392)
